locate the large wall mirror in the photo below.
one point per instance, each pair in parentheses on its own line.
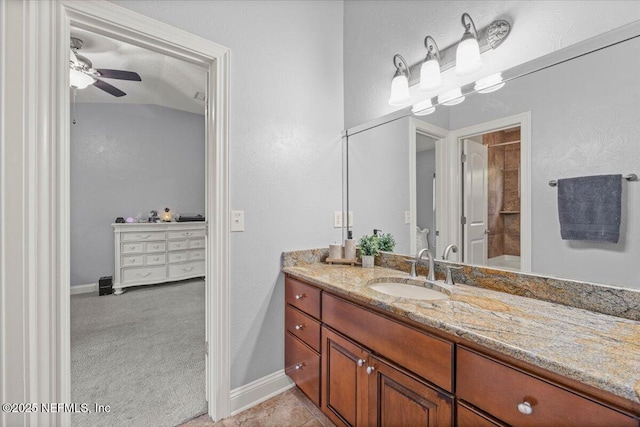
(477,174)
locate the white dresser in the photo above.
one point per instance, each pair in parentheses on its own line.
(146,254)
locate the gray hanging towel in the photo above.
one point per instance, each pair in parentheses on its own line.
(590,207)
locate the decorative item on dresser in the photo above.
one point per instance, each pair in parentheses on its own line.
(151,253)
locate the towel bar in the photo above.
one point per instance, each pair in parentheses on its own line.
(630,177)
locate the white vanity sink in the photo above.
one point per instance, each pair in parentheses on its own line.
(404,289)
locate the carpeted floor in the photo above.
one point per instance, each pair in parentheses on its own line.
(141,353)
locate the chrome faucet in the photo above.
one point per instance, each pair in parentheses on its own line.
(432,275)
(451,248)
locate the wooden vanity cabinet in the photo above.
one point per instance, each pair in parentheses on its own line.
(360,389)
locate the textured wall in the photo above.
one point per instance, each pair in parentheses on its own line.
(285,149)
(127,159)
(376,30)
(577,128)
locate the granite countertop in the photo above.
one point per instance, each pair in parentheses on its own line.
(596,349)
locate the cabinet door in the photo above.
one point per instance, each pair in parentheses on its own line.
(344,380)
(398,399)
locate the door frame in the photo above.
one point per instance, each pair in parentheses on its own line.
(35,306)
(454,146)
(440,135)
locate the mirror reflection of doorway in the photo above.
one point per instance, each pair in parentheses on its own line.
(426,192)
(492,227)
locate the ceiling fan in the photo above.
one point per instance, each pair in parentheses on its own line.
(82,73)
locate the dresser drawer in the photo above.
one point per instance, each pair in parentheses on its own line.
(196,243)
(142,236)
(194,255)
(185,234)
(302,296)
(132,260)
(131,247)
(423,354)
(178,256)
(303,327)
(155,259)
(188,269)
(133,275)
(501,391)
(177,245)
(302,365)
(150,247)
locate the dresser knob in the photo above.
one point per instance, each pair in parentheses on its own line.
(370,369)
(361,362)
(299,327)
(299,366)
(525,408)
(299,296)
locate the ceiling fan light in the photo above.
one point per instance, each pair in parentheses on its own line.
(80,80)
(489,84)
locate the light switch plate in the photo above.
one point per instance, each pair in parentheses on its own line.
(237,220)
(337,219)
(407,217)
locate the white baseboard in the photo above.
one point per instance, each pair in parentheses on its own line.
(258,391)
(84,289)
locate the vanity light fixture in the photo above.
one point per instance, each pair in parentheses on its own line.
(423,108)
(430,77)
(452,97)
(468,59)
(489,84)
(400,83)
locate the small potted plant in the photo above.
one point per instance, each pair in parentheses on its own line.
(386,242)
(368,249)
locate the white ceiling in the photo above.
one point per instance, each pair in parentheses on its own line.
(166,81)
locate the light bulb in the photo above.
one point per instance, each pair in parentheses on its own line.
(399,91)
(80,80)
(430,77)
(453,97)
(468,59)
(423,108)
(489,84)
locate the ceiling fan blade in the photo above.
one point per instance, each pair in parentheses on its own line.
(108,88)
(119,74)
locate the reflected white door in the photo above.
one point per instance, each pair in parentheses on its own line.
(476,201)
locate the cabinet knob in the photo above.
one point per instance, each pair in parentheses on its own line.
(299,366)
(299,327)
(299,296)
(361,362)
(525,408)
(370,369)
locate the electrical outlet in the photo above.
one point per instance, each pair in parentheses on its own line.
(350,218)
(407,217)
(237,220)
(337,219)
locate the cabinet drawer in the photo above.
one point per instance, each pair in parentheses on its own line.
(425,355)
(142,236)
(189,269)
(131,248)
(302,296)
(150,247)
(132,260)
(178,256)
(185,234)
(196,243)
(302,326)
(155,259)
(303,366)
(471,417)
(499,390)
(132,275)
(177,245)
(193,255)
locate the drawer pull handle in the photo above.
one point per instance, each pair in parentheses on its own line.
(187,233)
(144,274)
(300,296)
(143,236)
(132,261)
(361,362)
(299,327)
(156,258)
(370,370)
(299,366)
(132,247)
(156,246)
(525,408)
(187,268)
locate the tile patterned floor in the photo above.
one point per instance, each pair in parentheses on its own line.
(291,409)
